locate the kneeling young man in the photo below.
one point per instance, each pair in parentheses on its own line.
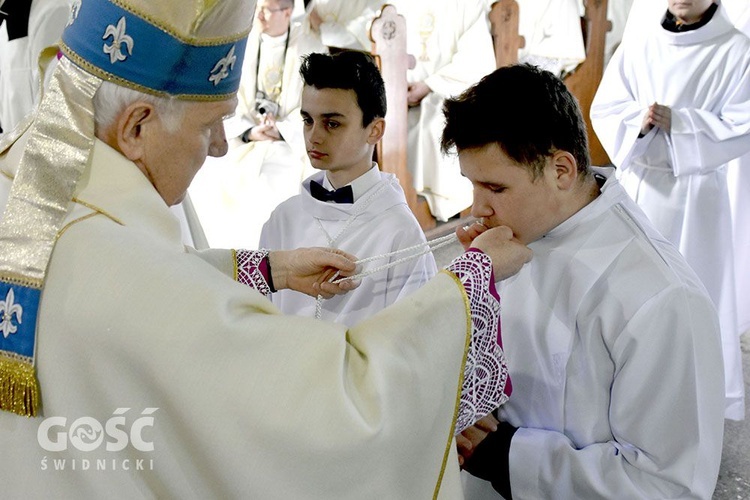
(612,342)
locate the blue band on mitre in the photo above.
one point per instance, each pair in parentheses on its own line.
(18,311)
(121,44)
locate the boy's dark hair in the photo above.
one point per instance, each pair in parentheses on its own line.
(527,111)
(348,70)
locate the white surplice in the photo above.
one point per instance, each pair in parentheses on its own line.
(680,178)
(249,403)
(233,195)
(614,350)
(378,222)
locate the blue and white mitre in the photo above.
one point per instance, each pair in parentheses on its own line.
(186,49)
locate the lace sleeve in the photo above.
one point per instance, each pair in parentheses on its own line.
(251,269)
(486,383)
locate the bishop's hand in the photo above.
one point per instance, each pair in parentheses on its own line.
(308,270)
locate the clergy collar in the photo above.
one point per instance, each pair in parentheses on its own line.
(278,40)
(671,23)
(361,184)
(718,25)
(600,204)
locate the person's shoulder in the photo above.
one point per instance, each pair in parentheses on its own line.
(644,253)
(290,207)
(741,41)
(305,40)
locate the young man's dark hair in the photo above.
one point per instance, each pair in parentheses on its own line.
(348,70)
(527,130)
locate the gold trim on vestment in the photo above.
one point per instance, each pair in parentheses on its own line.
(236,267)
(189,40)
(19,387)
(80,202)
(75,221)
(467,305)
(18,279)
(57,152)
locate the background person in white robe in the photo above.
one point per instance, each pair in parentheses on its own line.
(453,49)
(617,13)
(553,36)
(136,331)
(613,344)
(234,195)
(671,128)
(343,110)
(343,24)
(738,178)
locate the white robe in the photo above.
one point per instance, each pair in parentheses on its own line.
(19,71)
(738,177)
(457,52)
(378,222)
(614,350)
(234,195)
(617,14)
(679,179)
(251,404)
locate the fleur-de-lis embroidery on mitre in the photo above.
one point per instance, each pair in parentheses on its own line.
(118,38)
(75,8)
(8,308)
(223,67)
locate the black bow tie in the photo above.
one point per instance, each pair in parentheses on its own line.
(341,195)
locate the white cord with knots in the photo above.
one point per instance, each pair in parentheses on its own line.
(411,253)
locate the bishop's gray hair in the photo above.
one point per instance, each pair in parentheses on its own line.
(110,99)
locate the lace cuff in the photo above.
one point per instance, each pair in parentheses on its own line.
(486,382)
(251,269)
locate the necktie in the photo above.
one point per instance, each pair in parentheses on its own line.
(341,195)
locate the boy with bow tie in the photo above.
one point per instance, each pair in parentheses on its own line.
(349,204)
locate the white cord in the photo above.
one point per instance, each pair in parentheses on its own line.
(426,247)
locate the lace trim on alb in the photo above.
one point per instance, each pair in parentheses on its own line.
(486,371)
(248,270)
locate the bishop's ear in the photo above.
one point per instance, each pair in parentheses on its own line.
(131,128)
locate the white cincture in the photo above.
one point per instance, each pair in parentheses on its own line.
(412,253)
